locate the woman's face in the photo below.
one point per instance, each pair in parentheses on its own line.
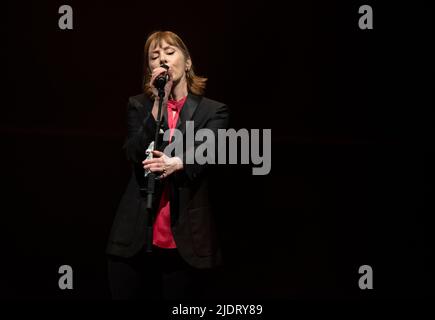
(169,55)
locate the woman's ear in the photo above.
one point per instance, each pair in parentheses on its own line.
(188,64)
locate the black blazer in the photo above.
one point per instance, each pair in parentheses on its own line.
(193,221)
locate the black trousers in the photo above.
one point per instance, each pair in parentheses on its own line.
(160,275)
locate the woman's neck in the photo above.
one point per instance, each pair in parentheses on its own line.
(179,90)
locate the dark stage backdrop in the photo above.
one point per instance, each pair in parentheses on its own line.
(350,113)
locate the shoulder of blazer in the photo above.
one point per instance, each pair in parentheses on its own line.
(140,101)
(212,104)
(207,104)
(210,107)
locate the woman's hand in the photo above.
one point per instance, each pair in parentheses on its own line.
(162,163)
(155,73)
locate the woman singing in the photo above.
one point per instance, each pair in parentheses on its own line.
(184,240)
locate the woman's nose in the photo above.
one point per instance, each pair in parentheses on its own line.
(163,60)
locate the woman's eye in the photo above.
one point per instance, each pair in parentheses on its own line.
(171,52)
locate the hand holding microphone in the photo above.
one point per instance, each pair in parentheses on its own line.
(161,79)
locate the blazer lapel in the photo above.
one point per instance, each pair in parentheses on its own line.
(187,111)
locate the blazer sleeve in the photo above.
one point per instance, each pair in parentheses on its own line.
(140,131)
(219,120)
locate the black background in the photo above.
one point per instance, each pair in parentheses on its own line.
(351,119)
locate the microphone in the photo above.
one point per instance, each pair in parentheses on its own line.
(161,80)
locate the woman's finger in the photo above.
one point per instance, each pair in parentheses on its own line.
(158,153)
(154,160)
(154,167)
(170,74)
(156,72)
